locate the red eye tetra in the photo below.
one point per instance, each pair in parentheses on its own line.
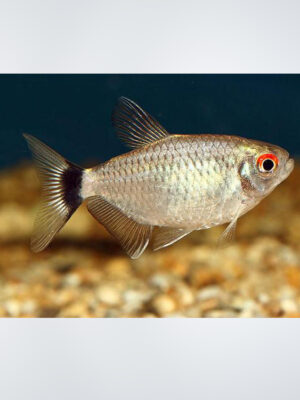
(267,162)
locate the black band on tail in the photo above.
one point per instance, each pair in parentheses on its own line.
(71,181)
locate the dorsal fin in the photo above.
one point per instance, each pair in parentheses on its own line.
(134,125)
(133,237)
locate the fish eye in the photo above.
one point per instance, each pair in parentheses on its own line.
(267,162)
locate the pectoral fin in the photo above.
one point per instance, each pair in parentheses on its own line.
(228,235)
(166,236)
(132,236)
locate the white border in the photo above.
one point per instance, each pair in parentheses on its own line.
(149,359)
(141,36)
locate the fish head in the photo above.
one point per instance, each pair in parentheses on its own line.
(263,167)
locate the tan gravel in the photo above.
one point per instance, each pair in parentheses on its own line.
(84,273)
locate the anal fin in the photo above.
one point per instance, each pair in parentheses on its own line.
(166,236)
(133,237)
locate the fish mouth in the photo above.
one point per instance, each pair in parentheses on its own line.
(289,166)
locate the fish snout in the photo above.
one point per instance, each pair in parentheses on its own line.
(289,166)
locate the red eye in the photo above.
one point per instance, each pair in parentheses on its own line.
(267,162)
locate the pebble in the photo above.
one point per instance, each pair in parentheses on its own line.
(72,279)
(163,304)
(193,311)
(135,299)
(251,309)
(289,306)
(184,295)
(149,315)
(161,281)
(209,304)
(75,310)
(109,294)
(221,314)
(62,297)
(209,292)
(13,307)
(28,306)
(263,298)
(204,276)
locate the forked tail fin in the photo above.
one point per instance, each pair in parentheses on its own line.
(61,186)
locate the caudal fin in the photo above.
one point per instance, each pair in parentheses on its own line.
(61,185)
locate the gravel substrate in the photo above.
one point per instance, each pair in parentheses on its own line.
(84,273)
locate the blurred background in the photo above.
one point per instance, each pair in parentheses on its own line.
(84,273)
(73,112)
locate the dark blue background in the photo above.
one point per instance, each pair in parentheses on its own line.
(72,113)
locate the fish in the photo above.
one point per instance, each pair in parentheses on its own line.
(167,186)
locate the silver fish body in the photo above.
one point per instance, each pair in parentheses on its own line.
(178,183)
(183,181)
